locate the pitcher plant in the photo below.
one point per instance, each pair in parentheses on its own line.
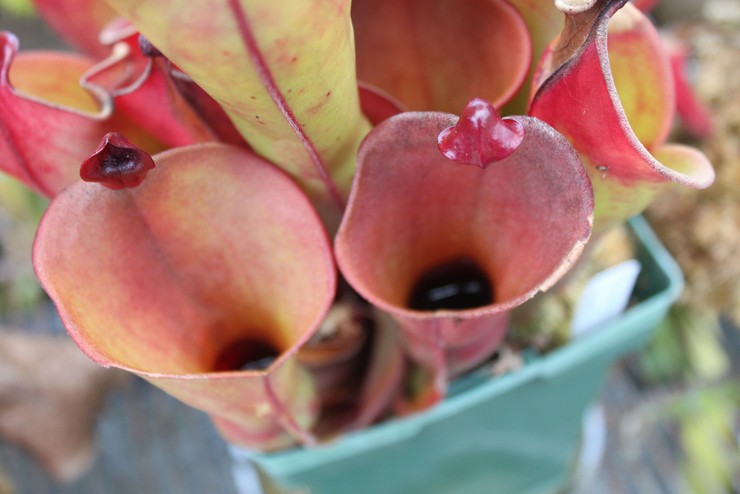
(303,217)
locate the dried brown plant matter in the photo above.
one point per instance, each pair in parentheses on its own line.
(707,246)
(50,397)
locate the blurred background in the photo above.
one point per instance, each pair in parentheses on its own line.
(669,416)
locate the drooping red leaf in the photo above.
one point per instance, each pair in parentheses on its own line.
(438,55)
(48,122)
(143,90)
(416,218)
(613,99)
(215,262)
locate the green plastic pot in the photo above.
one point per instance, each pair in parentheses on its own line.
(516,434)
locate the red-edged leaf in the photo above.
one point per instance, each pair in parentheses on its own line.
(151,91)
(143,90)
(48,122)
(438,55)
(614,91)
(518,224)
(216,260)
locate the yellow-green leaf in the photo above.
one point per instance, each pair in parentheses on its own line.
(284,72)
